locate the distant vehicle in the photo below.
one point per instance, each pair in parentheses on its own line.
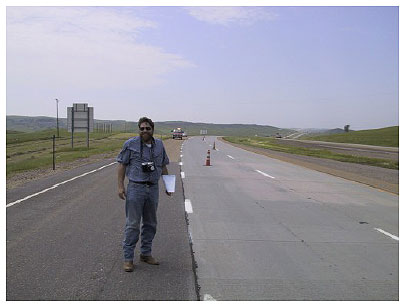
(184,135)
(177,133)
(278,136)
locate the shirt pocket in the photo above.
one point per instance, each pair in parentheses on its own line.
(158,157)
(135,156)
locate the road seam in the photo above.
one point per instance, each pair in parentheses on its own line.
(193,259)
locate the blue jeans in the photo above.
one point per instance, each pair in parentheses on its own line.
(141,204)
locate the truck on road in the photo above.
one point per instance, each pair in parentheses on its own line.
(177,133)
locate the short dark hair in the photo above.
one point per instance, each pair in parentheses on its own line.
(146,120)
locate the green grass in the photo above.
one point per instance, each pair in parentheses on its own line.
(388,137)
(33,150)
(319,153)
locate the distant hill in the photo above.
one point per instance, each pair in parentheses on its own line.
(222,129)
(30,124)
(380,137)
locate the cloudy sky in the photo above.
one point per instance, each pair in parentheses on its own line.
(290,67)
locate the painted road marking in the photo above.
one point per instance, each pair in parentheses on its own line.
(187,206)
(387,234)
(208,297)
(231,157)
(180,163)
(264,174)
(183,175)
(56,185)
(181,156)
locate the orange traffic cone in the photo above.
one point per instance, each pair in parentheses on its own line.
(208,161)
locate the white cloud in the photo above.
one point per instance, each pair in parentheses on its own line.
(230,15)
(83,48)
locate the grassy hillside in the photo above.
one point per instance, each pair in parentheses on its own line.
(33,150)
(222,129)
(30,124)
(388,137)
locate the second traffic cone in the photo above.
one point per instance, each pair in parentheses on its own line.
(208,161)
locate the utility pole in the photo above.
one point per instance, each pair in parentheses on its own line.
(57,117)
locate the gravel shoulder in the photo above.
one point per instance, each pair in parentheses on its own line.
(376,177)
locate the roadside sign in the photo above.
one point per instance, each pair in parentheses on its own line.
(80,118)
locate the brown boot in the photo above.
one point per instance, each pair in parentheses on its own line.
(128,266)
(148,259)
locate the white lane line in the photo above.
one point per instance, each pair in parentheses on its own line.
(181,156)
(183,175)
(55,186)
(387,234)
(208,297)
(264,174)
(231,157)
(180,163)
(187,206)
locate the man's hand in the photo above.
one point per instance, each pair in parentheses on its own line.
(169,193)
(121,176)
(121,193)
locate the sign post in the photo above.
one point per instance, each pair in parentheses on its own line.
(53,151)
(80,119)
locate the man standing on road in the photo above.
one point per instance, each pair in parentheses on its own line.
(143,159)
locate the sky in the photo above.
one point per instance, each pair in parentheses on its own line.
(289,67)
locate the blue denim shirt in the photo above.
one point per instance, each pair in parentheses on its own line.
(130,156)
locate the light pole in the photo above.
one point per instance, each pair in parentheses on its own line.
(57,117)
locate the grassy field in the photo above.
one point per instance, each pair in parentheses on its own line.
(326,154)
(388,137)
(27,151)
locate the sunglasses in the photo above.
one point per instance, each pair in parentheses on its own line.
(145,128)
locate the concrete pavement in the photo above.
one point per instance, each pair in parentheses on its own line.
(263,229)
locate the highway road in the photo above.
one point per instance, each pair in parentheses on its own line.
(259,228)
(65,243)
(263,229)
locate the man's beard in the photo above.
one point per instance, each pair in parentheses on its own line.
(146,136)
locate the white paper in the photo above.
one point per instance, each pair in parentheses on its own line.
(170,182)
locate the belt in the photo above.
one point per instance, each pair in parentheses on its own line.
(144,182)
